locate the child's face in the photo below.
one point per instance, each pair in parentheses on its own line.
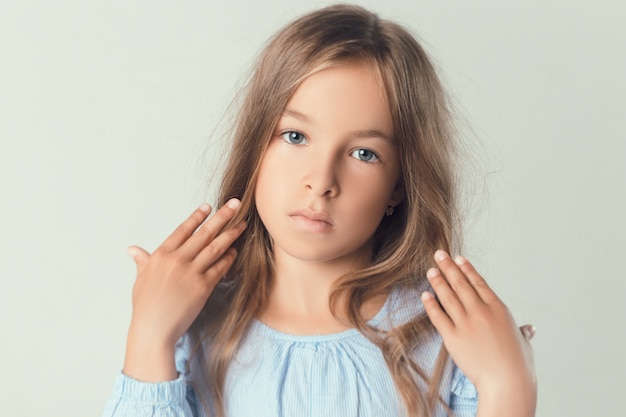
(331,168)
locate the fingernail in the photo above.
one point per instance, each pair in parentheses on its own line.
(233,203)
(205,208)
(529,331)
(459,260)
(427,296)
(132,252)
(432,273)
(440,255)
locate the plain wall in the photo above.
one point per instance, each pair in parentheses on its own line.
(106,114)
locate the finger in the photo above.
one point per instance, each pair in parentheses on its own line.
(139,255)
(210,229)
(186,229)
(528,330)
(219,268)
(447,297)
(456,278)
(218,246)
(477,281)
(437,316)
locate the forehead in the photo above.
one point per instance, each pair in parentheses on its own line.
(362,66)
(351,93)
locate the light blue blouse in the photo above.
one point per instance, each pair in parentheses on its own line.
(282,375)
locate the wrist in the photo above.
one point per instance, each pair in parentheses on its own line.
(513,398)
(149,360)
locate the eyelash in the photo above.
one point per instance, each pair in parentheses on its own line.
(367,161)
(287,135)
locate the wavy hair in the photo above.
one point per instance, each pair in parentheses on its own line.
(404,243)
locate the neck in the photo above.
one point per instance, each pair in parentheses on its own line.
(300,295)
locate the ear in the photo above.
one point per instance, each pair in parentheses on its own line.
(397,195)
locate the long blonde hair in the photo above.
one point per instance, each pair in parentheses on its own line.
(404,242)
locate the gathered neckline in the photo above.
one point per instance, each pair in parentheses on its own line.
(326,337)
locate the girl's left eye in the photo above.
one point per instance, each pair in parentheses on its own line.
(364,155)
(293,137)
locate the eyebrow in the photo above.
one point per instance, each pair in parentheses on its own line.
(367,133)
(297,115)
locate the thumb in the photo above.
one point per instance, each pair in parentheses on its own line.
(528,330)
(139,255)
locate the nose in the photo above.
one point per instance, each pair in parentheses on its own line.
(322,176)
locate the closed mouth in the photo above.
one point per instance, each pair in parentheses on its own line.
(313,215)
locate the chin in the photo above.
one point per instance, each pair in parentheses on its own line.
(320,252)
(317,256)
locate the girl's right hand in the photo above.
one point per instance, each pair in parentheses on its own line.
(172,286)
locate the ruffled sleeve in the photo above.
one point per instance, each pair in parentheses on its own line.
(154,399)
(463,395)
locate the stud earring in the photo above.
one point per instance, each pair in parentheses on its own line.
(390,209)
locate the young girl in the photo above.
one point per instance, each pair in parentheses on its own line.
(311,290)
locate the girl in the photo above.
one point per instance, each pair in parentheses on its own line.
(310,291)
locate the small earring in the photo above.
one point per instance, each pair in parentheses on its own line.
(389,210)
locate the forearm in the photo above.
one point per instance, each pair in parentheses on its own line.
(149,360)
(517,399)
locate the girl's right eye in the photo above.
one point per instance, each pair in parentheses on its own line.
(294,138)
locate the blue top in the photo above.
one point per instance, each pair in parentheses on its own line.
(280,375)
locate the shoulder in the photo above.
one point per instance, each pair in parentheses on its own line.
(406,304)
(406,309)
(406,324)
(462,396)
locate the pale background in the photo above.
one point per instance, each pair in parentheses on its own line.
(106,109)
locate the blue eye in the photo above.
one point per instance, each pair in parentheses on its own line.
(293,137)
(364,155)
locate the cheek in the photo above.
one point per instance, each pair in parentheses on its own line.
(370,192)
(263,186)
(272,178)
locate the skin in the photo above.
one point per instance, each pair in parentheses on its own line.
(332,153)
(173,284)
(482,338)
(320,170)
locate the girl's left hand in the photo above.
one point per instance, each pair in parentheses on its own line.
(481,336)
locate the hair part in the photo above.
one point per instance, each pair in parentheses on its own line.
(404,243)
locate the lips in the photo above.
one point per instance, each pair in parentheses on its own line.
(312,221)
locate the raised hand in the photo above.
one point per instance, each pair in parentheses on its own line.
(173,284)
(482,337)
